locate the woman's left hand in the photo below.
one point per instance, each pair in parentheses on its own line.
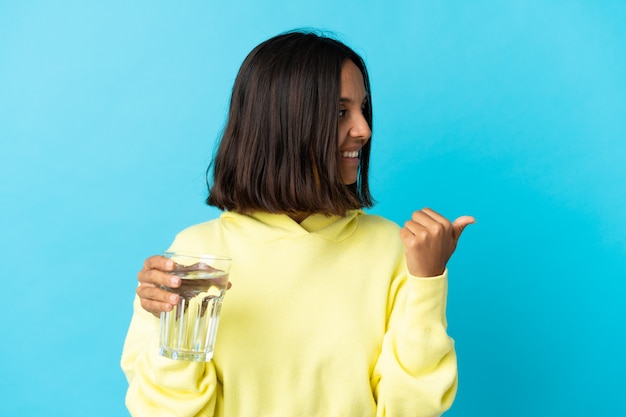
(429,241)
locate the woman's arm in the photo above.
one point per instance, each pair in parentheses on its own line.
(159,386)
(416,373)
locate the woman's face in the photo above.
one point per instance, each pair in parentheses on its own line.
(354,131)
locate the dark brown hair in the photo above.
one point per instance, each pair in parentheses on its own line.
(279,149)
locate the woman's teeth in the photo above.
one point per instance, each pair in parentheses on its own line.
(352,154)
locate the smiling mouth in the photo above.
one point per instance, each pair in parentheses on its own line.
(352,154)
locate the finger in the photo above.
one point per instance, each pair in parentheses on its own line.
(159,262)
(460,224)
(415,228)
(433,222)
(158,278)
(156,300)
(436,216)
(407,235)
(156,307)
(421,216)
(155,294)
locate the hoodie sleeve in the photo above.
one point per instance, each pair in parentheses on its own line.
(416,372)
(159,386)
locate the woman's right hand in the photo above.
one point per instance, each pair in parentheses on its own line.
(155,273)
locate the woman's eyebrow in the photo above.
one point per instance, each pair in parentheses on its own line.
(350,100)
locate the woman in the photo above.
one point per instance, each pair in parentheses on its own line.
(331,313)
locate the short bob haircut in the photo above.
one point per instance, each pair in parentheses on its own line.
(279,149)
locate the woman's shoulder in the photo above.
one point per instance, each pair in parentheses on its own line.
(200,237)
(377,221)
(196,233)
(201,227)
(378,227)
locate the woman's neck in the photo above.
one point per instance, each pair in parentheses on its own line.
(299,217)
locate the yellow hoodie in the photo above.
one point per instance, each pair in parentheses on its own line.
(322,319)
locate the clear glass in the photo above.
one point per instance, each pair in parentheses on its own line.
(188,331)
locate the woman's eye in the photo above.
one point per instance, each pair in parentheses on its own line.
(342,112)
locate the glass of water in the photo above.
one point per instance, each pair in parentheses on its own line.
(188,331)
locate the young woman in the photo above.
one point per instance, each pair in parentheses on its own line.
(333,312)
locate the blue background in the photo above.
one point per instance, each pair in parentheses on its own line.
(514,112)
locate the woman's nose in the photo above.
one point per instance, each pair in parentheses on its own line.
(360,129)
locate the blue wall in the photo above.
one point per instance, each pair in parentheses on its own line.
(514,112)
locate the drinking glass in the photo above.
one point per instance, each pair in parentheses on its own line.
(188,331)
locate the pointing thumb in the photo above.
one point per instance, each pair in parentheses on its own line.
(460,224)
